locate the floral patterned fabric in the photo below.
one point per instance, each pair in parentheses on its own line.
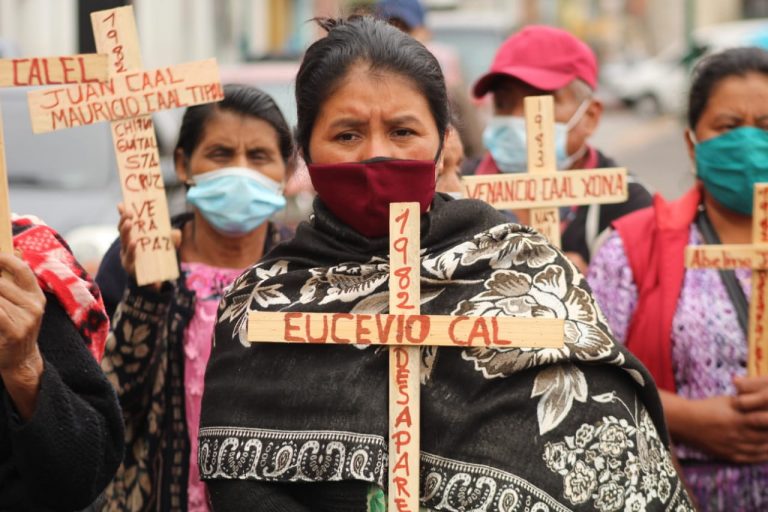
(145,360)
(709,348)
(208,284)
(496,423)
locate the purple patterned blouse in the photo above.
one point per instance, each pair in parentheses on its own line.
(709,348)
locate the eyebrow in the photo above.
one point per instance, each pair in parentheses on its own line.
(352,122)
(229,147)
(728,117)
(404,119)
(346,122)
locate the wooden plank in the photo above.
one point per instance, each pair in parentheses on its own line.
(727,256)
(65,69)
(137,156)
(540,142)
(523,191)
(758,317)
(6,229)
(409,329)
(116,34)
(125,96)
(404,361)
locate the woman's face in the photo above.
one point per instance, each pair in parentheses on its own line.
(734,102)
(234,140)
(374,114)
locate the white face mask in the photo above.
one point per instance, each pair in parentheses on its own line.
(505,138)
(235,200)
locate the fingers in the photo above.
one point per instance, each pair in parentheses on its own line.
(750,384)
(16,316)
(750,454)
(23,276)
(124,227)
(176,238)
(19,330)
(127,243)
(751,401)
(756,420)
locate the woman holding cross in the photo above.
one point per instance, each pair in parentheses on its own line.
(689,327)
(297,428)
(61,432)
(234,156)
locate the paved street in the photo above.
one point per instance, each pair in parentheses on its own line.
(652,148)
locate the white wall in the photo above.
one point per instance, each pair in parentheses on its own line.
(40,27)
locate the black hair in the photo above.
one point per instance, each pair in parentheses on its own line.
(710,71)
(239,99)
(376,43)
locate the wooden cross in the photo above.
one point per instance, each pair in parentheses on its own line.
(754,256)
(405,331)
(25,72)
(126,100)
(543,188)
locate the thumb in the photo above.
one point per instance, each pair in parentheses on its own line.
(176,238)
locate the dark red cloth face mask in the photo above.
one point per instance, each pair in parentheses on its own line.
(359,194)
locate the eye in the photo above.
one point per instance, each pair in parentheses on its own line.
(403,132)
(347,137)
(219,154)
(259,155)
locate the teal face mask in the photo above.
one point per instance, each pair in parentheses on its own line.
(504,137)
(730,164)
(235,200)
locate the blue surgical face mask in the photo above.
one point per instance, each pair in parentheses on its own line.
(505,138)
(731,164)
(235,200)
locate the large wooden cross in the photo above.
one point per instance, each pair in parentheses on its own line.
(126,100)
(32,71)
(405,331)
(541,190)
(754,256)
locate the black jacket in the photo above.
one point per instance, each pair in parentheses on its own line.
(66,454)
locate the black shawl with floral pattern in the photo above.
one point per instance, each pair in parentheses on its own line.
(502,429)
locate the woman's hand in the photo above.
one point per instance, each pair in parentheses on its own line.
(752,395)
(577,260)
(22,305)
(128,242)
(719,426)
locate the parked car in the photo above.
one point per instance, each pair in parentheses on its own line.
(659,84)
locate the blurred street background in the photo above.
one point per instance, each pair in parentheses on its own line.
(645,49)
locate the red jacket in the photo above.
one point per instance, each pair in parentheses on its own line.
(654,242)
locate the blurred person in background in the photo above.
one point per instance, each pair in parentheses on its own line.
(449,168)
(410,17)
(235,156)
(61,432)
(541,60)
(689,326)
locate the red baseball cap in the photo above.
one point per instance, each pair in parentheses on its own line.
(547,58)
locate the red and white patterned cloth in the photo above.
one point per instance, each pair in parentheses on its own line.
(59,274)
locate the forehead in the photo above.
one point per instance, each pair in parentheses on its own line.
(740,92)
(364,90)
(232,128)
